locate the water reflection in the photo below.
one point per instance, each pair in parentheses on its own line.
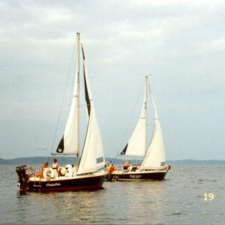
(73,207)
(97,206)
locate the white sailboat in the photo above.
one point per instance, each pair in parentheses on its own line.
(153,165)
(89,172)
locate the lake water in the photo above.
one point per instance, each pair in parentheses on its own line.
(179,199)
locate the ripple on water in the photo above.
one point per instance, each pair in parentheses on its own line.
(177,200)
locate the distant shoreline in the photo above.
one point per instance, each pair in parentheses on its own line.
(72,160)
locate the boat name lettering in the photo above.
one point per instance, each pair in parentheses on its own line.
(54,184)
(135,176)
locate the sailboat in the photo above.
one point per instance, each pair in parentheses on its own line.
(153,165)
(89,172)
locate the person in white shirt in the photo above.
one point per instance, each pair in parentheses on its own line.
(55,168)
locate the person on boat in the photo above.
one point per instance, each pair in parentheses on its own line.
(62,171)
(110,169)
(126,165)
(41,174)
(55,168)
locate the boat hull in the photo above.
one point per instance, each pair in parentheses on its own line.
(88,183)
(81,182)
(139,175)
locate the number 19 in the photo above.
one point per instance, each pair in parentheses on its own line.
(209,196)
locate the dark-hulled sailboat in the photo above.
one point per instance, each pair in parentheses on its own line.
(153,165)
(89,172)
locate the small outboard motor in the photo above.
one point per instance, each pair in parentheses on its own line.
(23,177)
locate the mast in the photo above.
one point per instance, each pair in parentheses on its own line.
(77,95)
(70,142)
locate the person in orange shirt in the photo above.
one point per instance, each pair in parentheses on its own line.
(42,169)
(110,169)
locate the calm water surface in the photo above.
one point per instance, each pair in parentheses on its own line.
(179,199)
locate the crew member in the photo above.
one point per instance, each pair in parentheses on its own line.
(55,168)
(42,169)
(126,165)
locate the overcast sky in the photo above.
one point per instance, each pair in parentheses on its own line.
(180,43)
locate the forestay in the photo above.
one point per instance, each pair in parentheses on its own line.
(155,156)
(92,157)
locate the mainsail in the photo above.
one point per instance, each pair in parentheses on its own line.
(155,156)
(92,157)
(136,146)
(69,143)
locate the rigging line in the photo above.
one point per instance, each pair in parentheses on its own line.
(63,99)
(139,94)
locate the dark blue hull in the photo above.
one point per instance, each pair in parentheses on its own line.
(82,182)
(138,175)
(88,183)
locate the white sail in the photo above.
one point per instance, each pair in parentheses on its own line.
(155,156)
(137,144)
(69,143)
(93,148)
(92,157)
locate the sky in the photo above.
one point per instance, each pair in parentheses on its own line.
(179,44)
